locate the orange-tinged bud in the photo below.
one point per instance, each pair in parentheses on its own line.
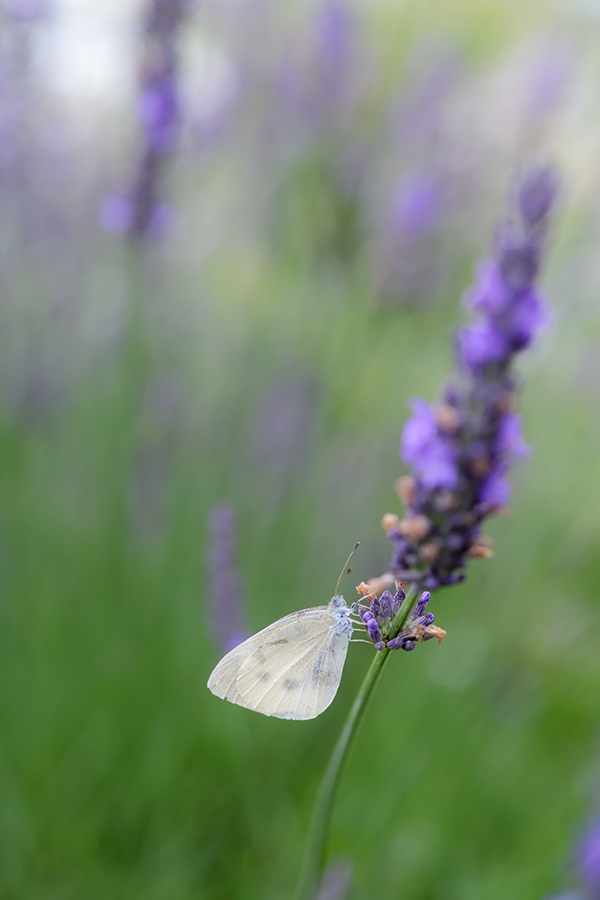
(481,466)
(447,418)
(405,488)
(415,527)
(429,551)
(390,520)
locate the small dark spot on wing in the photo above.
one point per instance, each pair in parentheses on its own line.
(318,674)
(290,683)
(263,676)
(280,641)
(318,668)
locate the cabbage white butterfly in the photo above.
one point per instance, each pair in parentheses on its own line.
(292,668)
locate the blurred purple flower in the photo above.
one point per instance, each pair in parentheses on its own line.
(587,864)
(588,857)
(460,450)
(550,70)
(225,589)
(334,40)
(415,204)
(26,10)
(118,214)
(141,212)
(429,454)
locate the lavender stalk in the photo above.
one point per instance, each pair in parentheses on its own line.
(459,452)
(314,853)
(142,211)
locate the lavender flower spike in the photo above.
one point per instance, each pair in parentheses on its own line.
(142,211)
(225,589)
(460,449)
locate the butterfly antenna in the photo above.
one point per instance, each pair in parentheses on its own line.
(345,571)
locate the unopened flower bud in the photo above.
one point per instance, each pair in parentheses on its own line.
(445,501)
(373,631)
(430,551)
(481,466)
(414,527)
(505,403)
(405,488)
(447,418)
(390,520)
(375,586)
(480,551)
(366,590)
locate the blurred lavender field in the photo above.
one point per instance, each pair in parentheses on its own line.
(234,238)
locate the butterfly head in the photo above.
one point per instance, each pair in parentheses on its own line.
(337,602)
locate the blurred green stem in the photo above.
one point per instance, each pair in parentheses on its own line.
(314,853)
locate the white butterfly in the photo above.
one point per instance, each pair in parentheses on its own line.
(292,668)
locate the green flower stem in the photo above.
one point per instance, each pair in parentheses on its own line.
(314,853)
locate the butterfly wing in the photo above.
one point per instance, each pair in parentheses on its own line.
(223,677)
(222,681)
(295,670)
(291,669)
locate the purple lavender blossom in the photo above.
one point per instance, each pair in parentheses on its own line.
(141,212)
(225,589)
(415,204)
(379,617)
(461,449)
(334,35)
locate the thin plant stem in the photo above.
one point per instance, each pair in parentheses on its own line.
(314,852)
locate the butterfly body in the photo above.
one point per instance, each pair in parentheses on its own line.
(292,668)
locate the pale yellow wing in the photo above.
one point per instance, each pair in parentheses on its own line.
(295,670)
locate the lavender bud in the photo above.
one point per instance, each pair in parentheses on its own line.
(373,631)
(400,597)
(421,604)
(376,610)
